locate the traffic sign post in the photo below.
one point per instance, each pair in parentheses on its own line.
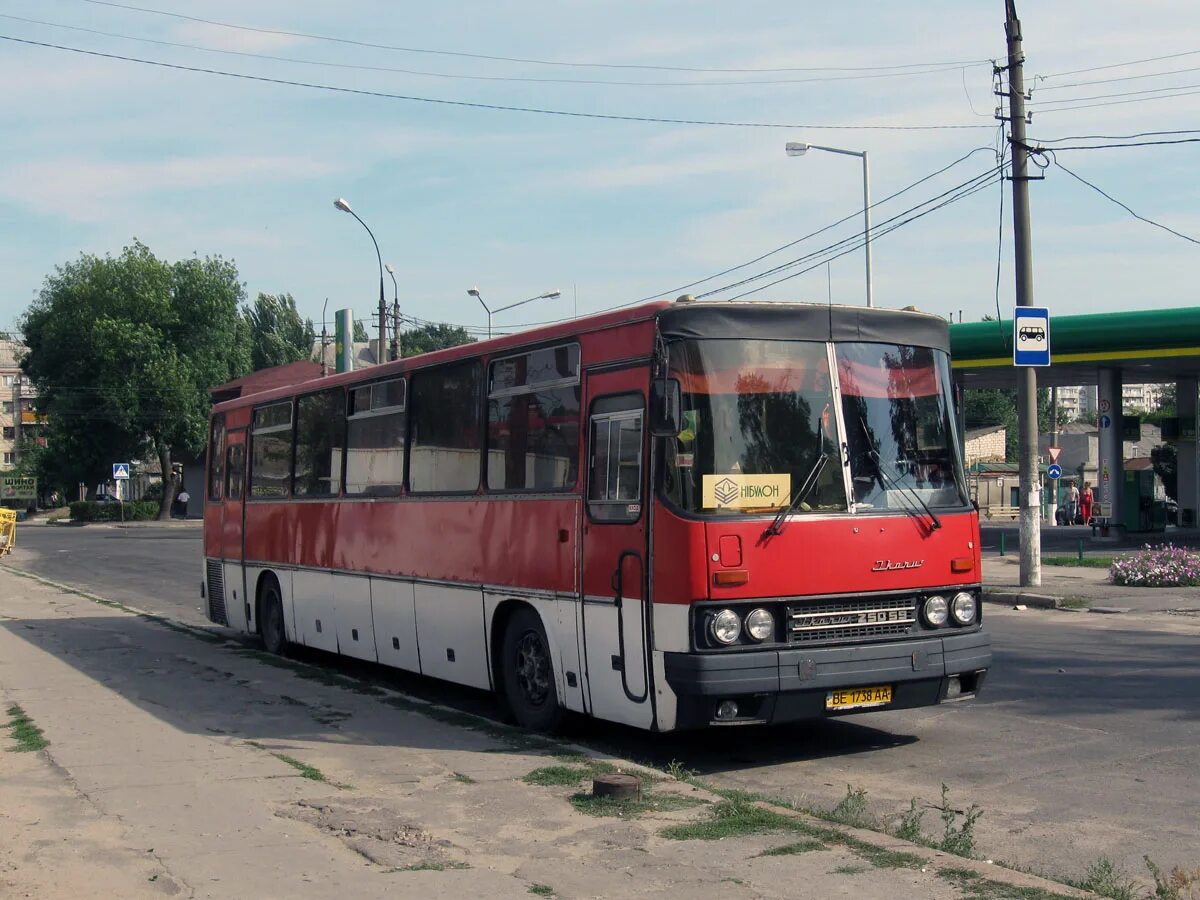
(1054,470)
(120,470)
(1031,336)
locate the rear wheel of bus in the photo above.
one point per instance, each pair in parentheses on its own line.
(528,673)
(270,619)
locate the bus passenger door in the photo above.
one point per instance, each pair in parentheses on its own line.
(615,577)
(233,532)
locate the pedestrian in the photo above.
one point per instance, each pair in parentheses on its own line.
(1086,499)
(1071,501)
(181,503)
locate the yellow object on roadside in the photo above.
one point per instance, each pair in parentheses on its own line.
(8,530)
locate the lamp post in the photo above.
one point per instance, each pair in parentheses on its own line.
(341,204)
(795,148)
(394,352)
(474,292)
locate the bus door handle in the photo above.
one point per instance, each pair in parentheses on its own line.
(618,585)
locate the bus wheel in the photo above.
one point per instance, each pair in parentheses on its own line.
(528,673)
(273,636)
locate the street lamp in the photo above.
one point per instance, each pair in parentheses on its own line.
(341,204)
(796,148)
(394,352)
(474,292)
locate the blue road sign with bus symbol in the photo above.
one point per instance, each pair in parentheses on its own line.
(1031,336)
(1054,470)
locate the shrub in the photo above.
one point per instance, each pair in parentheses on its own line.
(135,511)
(1163,566)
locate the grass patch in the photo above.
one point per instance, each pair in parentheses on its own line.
(28,736)
(1106,878)
(852,810)
(1088,562)
(431,867)
(608,806)
(306,771)
(541,890)
(975,887)
(464,779)
(557,775)
(805,846)
(849,870)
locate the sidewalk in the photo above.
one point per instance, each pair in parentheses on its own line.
(181,763)
(1074,587)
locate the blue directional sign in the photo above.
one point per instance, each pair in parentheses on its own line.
(1104,422)
(1031,336)
(120,470)
(1054,470)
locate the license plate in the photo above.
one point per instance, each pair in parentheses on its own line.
(859,698)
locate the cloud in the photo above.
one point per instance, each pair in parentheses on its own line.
(84,190)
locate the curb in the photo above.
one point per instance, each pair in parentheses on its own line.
(1020,598)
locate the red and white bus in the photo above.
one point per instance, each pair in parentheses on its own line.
(672,516)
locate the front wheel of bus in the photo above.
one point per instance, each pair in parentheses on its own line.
(528,672)
(273,636)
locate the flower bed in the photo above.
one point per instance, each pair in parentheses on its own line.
(1163,566)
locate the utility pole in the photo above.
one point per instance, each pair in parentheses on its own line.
(1027,423)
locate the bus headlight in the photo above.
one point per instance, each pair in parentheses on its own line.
(760,625)
(725,626)
(963,608)
(936,611)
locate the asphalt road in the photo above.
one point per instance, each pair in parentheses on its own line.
(1083,744)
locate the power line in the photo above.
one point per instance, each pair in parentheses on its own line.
(1119,65)
(1115,102)
(1060,87)
(474,105)
(962,196)
(504,78)
(1115,137)
(1135,144)
(518,59)
(1179,87)
(799,240)
(1113,199)
(880,228)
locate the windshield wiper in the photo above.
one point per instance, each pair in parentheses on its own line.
(935,522)
(806,488)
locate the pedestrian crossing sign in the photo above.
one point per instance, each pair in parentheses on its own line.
(120,470)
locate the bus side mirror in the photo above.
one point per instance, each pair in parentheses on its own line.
(664,407)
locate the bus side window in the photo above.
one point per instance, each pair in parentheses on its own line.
(216,456)
(615,477)
(235,471)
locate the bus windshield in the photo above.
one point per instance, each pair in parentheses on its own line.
(756,426)
(900,436)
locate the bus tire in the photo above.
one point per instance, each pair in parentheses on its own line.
(528,672)
(274,637)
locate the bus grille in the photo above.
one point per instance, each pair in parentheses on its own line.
(216,593)
(848,620)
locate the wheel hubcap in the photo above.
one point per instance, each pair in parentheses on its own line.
(533,668)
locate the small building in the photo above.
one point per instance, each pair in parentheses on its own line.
(985,444)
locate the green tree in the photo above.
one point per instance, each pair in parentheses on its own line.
(123,351)
(278,335)
(360,332)
(1165,460)
(434,336)
(985,407)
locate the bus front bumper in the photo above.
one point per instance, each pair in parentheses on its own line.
(789,685)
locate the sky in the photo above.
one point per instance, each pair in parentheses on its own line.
(97,151)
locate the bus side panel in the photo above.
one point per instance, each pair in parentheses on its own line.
(393,610)
(558,620)
(235,596)
(451,633)
(316,621)
(352,609)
